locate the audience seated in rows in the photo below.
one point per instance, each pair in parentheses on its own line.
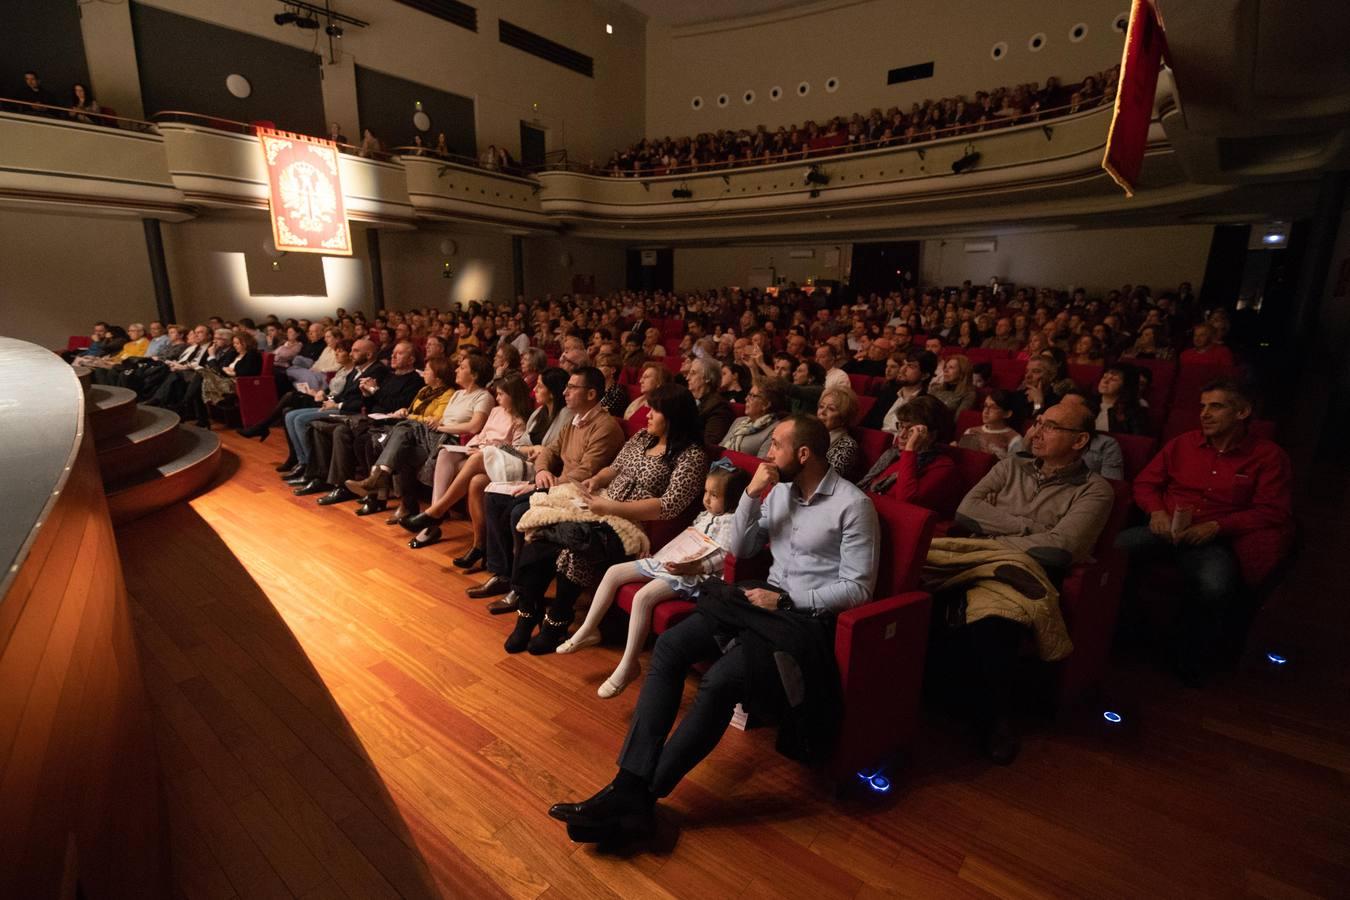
(556,467)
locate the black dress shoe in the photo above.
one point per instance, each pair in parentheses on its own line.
(433,537)
(293,471)
(470,559)
(298,480)
(421,520)
(372,505)
(503,605)
(1001,744)
(254,431)
(336,495)
(289,464)
(313,486)
(610,813)
(497,584)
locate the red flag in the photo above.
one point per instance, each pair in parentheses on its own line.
(1139,64)
(305,194)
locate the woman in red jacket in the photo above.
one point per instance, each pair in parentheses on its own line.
(919,467)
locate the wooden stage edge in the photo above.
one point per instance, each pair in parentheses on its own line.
(334,717)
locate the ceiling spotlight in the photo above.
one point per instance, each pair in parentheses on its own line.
(609,29)
(333,30)
(307,23)
(285,18)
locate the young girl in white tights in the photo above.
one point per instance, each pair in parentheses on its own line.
(721,492)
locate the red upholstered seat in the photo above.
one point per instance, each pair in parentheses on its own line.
(1008,373)
(865,404)
(971,418)
(1137,449)
(634,390)
(860,383)
(77,342)
(637,421)
(1090,602)
(257,394)
(737,409)
(1086,377)
(972,464)
(872,443)
(672,363)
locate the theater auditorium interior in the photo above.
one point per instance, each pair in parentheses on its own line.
(725,448)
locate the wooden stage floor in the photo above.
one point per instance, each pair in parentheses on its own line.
(335,718)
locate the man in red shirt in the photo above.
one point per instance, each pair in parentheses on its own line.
(1219,508)
(1205,350)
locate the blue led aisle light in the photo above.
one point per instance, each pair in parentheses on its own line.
(1276,659)
(875,780)
(1114,718)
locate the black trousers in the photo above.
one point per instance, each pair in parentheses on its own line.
(535,567)
(503,543)
(347,433)
(973,666)
(650,751)
(321,439)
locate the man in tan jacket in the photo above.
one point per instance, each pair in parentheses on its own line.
(1044,513)
(583,447)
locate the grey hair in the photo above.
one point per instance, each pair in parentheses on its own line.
(710,369)
(224,332)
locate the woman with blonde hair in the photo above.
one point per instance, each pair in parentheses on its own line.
(836,409)
(954,386)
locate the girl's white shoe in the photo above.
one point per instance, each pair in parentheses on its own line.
(613,685)
(577,642)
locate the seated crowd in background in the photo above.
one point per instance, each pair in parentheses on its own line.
(571,440)
(925,121)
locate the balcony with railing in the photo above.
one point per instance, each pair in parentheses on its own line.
(98,161)
(1031,162)
(218,163)
(186,164)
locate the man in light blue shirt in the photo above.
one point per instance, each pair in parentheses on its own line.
(824,535)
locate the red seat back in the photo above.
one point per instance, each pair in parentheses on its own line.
(968,419)
(266,364)
(906,530)
(1137,449)
(860,383)
(872,443)
(1086,377)
(77,342)
(972,464)
(1008,373)
(865,405)
(743,461)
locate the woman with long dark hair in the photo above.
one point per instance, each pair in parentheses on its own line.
(657,475)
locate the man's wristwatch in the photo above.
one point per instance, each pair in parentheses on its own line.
(784,601)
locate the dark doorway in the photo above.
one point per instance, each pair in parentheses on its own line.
(883,267)
(651,269)
(532,146)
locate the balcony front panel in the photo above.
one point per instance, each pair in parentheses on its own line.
(92,169)
(218,168)
(1029,163)
(451,192)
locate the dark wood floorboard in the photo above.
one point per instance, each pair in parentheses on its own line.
(335,718)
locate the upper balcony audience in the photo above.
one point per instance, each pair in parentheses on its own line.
(925,121)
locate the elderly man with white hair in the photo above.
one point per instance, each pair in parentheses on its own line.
(704,376)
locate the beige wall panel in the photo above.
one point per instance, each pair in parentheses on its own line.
(1098,260)
(858,42)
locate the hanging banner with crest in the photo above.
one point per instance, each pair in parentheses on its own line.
(305,194)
